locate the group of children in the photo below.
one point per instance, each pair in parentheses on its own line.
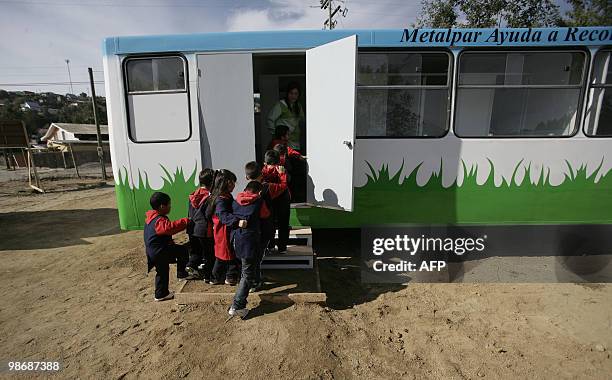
(228,237)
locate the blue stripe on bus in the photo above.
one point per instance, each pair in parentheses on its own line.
(304,39)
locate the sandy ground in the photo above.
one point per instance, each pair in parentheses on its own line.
(74,289)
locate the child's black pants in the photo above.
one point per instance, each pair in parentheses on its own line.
(202,252)
(226,270)
(282,213)
(172,254)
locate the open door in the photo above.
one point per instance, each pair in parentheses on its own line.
(227,130)
(330,113)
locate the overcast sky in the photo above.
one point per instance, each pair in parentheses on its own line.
(39,35)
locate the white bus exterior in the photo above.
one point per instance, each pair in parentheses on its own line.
(417,126)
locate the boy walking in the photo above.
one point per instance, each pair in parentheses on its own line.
(248,206)
(269,192)
(161,249)
(200,231)
(273,172)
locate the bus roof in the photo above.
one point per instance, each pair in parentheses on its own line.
(414,37)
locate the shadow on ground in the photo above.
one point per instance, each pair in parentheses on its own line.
(26,230)
(338,258)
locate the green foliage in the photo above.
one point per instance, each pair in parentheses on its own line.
(489,13)
(589,13)
(67,111)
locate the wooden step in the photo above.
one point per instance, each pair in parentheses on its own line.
(297,257)
(299,236)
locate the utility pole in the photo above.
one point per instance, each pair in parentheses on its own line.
(98,134)
(69,77)
(331,11)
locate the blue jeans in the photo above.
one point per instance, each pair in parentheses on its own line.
(248,276)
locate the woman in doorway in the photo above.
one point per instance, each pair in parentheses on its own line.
(289,112)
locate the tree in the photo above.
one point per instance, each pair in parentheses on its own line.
(589,13)
(438,14)
(488,13)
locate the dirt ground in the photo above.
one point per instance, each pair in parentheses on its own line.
(74,289)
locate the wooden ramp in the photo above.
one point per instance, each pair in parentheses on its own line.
(299,252)
(280,286)
(292,277)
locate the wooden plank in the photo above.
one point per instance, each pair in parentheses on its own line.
(299,298)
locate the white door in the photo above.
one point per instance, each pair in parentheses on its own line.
(227,128)
(330,131)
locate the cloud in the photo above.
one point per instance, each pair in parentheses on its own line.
(296,14)
(40,34)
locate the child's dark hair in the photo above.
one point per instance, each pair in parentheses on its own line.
(207,176)
(159,199)
(271,157)
(253,187)
(281,149)
(221,186)
(280,131)
(252,170)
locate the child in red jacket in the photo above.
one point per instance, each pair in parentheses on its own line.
(293,161)
(275,194)
(281,136)
(220,211)
(200,231)
(161,249)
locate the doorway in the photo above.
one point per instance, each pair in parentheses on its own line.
(272,75)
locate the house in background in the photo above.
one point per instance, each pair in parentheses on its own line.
(68,132)
(31,106)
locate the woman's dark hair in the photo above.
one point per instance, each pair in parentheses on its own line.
(271,157)
(221,182)
(280,131)
(207,176)
(159,199)
(295,107)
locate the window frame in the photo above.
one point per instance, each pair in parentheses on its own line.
(143,58)
(589,96)
(488,50)
(126,93)
(448,86)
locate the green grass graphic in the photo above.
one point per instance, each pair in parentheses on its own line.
(134,202)
(390,198)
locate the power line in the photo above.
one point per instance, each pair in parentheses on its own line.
(332,12)
(47,83)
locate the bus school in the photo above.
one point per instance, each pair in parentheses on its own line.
(401,127)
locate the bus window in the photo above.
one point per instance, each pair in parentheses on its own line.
(155,74)
(402,94)
(518,94)
(599,114)
(157,99)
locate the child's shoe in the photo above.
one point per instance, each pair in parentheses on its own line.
(231,282)
(168,297)
(193,274)
(242,313)
(256,287)
(215,282)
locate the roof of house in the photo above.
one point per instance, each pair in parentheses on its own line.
(81,129)
(77,129)
(31,104)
